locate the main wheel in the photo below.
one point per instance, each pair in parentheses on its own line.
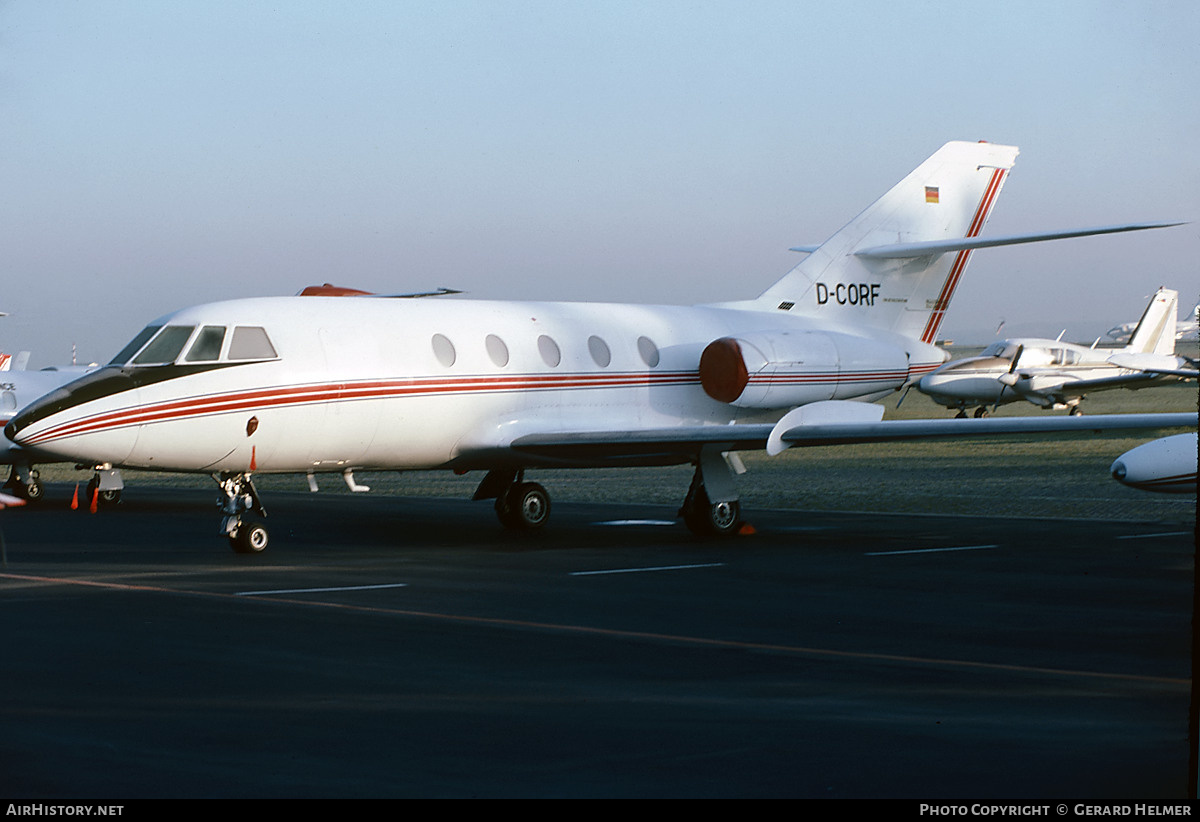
(523,507)
(707,519)
(249,538)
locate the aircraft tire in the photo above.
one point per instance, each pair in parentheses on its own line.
(31,492)
(524,507)
(249,538)
(706,519)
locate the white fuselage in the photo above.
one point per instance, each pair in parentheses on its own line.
(394,384)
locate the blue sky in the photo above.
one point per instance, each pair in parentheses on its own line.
(155,155)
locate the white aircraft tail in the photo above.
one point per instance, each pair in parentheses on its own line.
(878,270)
(896,265)
(1155,332)
(10,363)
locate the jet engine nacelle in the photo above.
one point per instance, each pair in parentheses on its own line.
(785,369)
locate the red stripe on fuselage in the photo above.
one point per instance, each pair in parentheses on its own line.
(340,392)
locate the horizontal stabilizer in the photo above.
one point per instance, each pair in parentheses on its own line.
(933,247)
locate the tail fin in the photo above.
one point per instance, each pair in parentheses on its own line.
(876,270)
(1155,332)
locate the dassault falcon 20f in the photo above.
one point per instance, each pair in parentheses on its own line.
(312,384)
(1055,374)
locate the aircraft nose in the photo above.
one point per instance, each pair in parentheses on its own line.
(77,421)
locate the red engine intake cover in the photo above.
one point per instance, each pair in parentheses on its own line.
(723,373)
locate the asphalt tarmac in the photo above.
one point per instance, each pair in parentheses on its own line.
(407,647)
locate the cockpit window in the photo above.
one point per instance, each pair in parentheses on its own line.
(999,349)
(251,343)
(207,346)
(166,346)
(138,341)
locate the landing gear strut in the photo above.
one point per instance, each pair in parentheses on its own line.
(520,505)
(105,485)
(238,499)
(711,507)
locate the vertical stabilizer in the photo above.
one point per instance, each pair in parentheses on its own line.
(873,272)
(1155,332)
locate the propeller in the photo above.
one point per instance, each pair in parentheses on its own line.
(1010,379)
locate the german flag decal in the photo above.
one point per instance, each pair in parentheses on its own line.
(931,194)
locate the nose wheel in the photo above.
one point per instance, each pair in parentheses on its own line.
(249,538)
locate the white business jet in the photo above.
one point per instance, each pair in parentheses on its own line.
(1058,375)
(313,384)
(1185,330)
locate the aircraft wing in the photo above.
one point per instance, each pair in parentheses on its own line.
(678,443)
(1141,379)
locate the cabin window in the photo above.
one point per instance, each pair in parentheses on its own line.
(497,350)
(250,342)
(548,348)
(9,401)
(648,350)
(136,344)
(599,351)
(207,346)
(443,349)
(166,346)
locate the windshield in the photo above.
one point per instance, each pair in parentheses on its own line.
(166,346)
(137,342)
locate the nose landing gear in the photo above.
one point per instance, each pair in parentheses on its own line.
(239,499)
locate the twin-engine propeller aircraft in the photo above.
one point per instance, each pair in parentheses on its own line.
(312,384)
(1054,374)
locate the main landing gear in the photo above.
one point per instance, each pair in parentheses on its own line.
(710,509)
(238,499)
(520,505)
(979,414)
